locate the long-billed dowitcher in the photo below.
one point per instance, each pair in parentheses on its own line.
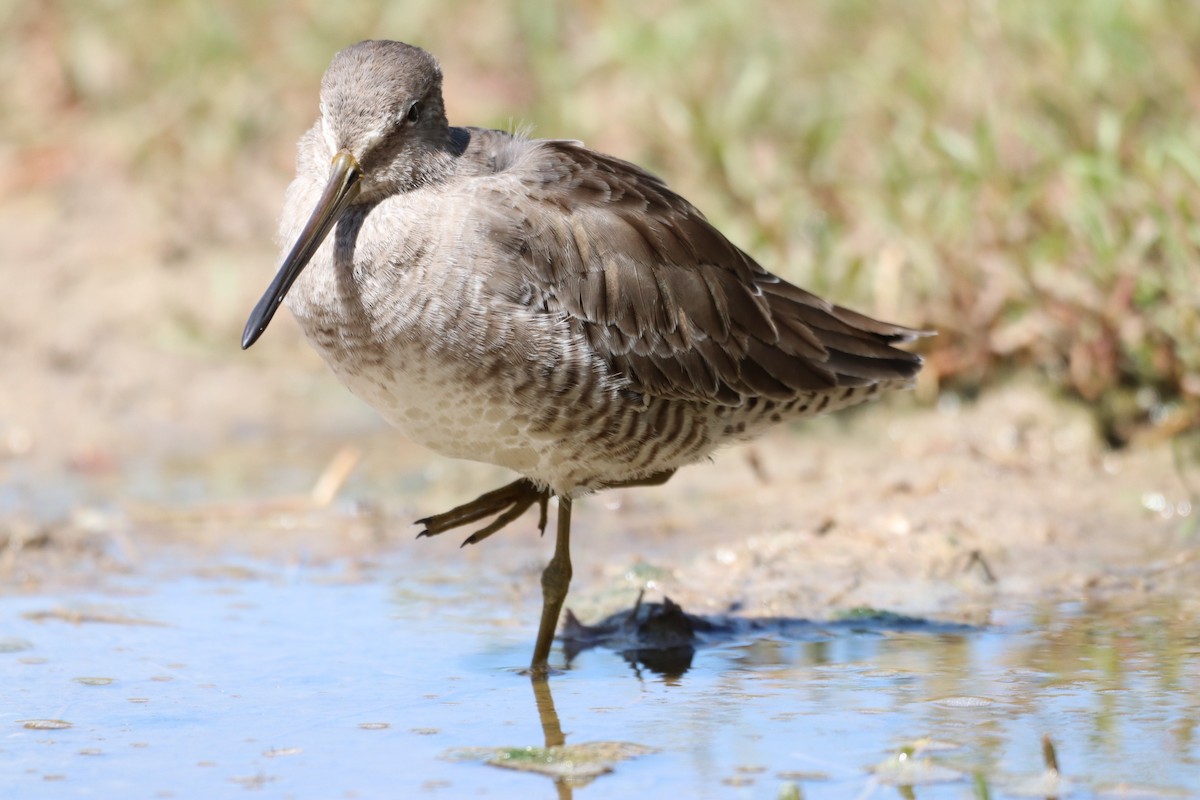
(538,305)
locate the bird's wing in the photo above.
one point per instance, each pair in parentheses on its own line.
(660,294)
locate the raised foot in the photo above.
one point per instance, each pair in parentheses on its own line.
(507,503)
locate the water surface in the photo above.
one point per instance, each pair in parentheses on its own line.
(319,682)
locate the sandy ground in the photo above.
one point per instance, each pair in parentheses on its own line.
(120,361)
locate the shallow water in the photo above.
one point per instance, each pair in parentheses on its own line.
(325,682)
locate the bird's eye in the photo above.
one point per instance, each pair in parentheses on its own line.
(414,113)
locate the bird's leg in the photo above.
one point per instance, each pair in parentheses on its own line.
(657,479)
(555,581)
(556,578)
(507,503)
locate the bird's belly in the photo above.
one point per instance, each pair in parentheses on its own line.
(460,412)
(448,412)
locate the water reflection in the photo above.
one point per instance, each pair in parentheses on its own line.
(663,638)
(1114,683)
(551,727)
(569,766)
(547,714)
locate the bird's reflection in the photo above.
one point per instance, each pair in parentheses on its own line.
(551,727)
(569,765)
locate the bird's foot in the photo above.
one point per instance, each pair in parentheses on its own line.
(507,503)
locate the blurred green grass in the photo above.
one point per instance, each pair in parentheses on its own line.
(1022,176)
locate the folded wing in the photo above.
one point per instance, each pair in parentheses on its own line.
(662,296)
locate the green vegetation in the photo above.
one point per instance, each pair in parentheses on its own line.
(1022,176)
(876,616)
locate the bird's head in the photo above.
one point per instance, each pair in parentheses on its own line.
(381,105)
(384,124)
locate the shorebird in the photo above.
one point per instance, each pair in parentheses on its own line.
(542,306)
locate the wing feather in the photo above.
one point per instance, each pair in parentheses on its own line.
(662,296)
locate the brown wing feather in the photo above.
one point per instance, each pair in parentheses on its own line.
(665,298)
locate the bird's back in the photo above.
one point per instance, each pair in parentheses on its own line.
(654,288)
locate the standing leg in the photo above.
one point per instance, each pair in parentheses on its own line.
(555,580)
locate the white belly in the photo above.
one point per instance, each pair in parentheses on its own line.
(436,406)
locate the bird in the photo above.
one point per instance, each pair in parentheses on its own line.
(538,305)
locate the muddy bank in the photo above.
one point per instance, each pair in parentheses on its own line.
(950,513)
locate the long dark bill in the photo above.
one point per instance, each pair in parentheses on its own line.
(339,192)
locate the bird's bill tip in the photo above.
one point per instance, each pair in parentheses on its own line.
(251,333)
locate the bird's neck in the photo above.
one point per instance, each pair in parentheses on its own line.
(422,162)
